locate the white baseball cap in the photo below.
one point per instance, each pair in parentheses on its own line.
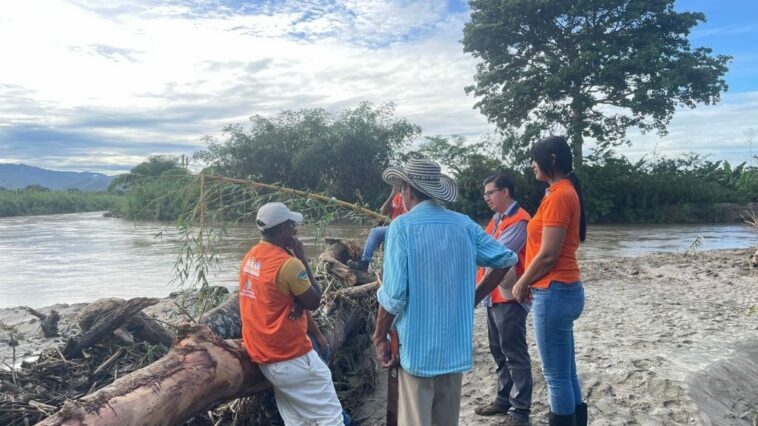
(273,214)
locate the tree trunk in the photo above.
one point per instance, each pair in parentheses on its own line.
(200,371)
(224,320)
(576,130)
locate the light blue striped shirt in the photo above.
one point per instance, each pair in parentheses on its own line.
(430,260)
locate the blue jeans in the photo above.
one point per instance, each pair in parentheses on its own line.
(555,309)
(374,240)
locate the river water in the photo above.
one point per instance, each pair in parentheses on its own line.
(82,257)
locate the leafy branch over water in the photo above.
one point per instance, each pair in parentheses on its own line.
(220,203)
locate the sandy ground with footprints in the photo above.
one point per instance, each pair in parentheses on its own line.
(663,339)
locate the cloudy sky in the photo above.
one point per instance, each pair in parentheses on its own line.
(99,86)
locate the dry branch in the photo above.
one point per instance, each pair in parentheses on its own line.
(48,323)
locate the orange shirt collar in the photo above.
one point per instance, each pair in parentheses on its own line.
(560,184)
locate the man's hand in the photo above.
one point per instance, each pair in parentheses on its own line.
(298,250)
(297,310)
(522,292)
(384,352)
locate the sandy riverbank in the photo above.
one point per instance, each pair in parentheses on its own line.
(664,339)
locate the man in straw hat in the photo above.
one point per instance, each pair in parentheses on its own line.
(431,257)
(274,278)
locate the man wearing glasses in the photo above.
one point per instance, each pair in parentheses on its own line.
(506,318)
(276,283)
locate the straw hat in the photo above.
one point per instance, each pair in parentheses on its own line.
(424,175)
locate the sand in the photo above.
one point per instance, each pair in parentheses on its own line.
(664,339)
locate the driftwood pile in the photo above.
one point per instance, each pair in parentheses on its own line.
(120,369)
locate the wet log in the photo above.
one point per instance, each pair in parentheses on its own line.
(106,324)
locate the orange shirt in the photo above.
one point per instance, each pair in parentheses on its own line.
(397,206)
(267,332)
(505,223)
(559,208)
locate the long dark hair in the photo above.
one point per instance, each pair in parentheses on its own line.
(557,146)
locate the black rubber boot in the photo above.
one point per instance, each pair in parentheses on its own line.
(581,414)
(566,420)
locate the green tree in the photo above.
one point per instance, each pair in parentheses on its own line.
(312,149)
(155,166)
(157,189)
(592,67)
(36,188)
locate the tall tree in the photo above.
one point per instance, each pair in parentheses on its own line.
(592,67)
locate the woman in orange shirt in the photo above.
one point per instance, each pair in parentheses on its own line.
(552,277)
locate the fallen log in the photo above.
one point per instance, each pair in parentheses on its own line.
(224,320)
(140,325)
(105,325)
(335,257)
(200,371)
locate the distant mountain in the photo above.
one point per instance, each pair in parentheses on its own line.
(19,176)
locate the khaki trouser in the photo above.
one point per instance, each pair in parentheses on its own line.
(429,401)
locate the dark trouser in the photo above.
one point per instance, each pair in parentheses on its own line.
(507,335)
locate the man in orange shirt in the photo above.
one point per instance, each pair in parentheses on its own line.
(274,279)
(392,207)
(506,318)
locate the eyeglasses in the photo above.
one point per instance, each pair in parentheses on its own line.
(489,193)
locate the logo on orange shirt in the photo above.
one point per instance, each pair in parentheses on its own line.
(253,268)
(248,291)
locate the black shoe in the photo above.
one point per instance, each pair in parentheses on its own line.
(513,421)
(558,420)
(490,409)
(360,265)
(581,414)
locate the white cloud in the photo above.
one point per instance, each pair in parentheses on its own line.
(130,79)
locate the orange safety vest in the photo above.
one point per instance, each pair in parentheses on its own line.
(397,206)
(267,332)
(505,223)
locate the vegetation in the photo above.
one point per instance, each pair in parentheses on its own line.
(35,200)
(226,193)
(342,155)
(586,68)
(652,190)
(157,189)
